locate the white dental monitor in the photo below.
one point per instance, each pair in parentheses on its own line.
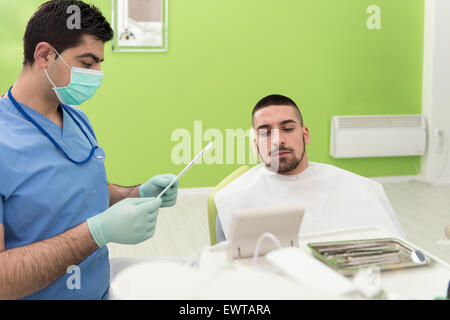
(248,225)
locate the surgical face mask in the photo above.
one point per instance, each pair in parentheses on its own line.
(83,85)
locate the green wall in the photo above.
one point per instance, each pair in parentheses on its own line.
(224,55)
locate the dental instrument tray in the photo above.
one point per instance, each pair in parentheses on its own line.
(347,257)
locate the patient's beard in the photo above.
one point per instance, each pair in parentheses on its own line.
(291,163)
(285,164)
(288,163)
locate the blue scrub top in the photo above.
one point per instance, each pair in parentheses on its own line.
(43,194)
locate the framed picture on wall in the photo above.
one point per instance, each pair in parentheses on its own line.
(140,25)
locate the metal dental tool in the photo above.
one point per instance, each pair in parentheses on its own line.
(197,157)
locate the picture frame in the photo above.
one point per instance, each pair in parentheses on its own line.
(140,25)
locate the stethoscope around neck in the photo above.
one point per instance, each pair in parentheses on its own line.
(45,133)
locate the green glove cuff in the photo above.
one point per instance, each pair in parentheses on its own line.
(141,191)
(96,231)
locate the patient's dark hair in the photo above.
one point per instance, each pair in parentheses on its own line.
(277,100)
(50,24)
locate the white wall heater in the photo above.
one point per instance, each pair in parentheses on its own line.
(377,136)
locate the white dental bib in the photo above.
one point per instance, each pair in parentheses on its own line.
(333,198)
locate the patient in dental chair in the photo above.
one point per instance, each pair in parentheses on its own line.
(333,198)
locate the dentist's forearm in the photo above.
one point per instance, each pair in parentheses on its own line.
(28,269)
(118,193)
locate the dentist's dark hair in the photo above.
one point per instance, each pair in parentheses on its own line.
(50,24)
(277,100)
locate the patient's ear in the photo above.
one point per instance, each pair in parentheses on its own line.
(306,135)
(256,150)
(255,145)
(253,139)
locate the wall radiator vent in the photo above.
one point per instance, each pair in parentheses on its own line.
(377,136)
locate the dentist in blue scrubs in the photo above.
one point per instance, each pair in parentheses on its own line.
(57,209)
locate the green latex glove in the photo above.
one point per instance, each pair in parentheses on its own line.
(129,221)
(154,186)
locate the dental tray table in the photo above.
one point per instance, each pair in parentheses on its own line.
(348,257)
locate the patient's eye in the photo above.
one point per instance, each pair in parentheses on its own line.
(288,129)
(263,132)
